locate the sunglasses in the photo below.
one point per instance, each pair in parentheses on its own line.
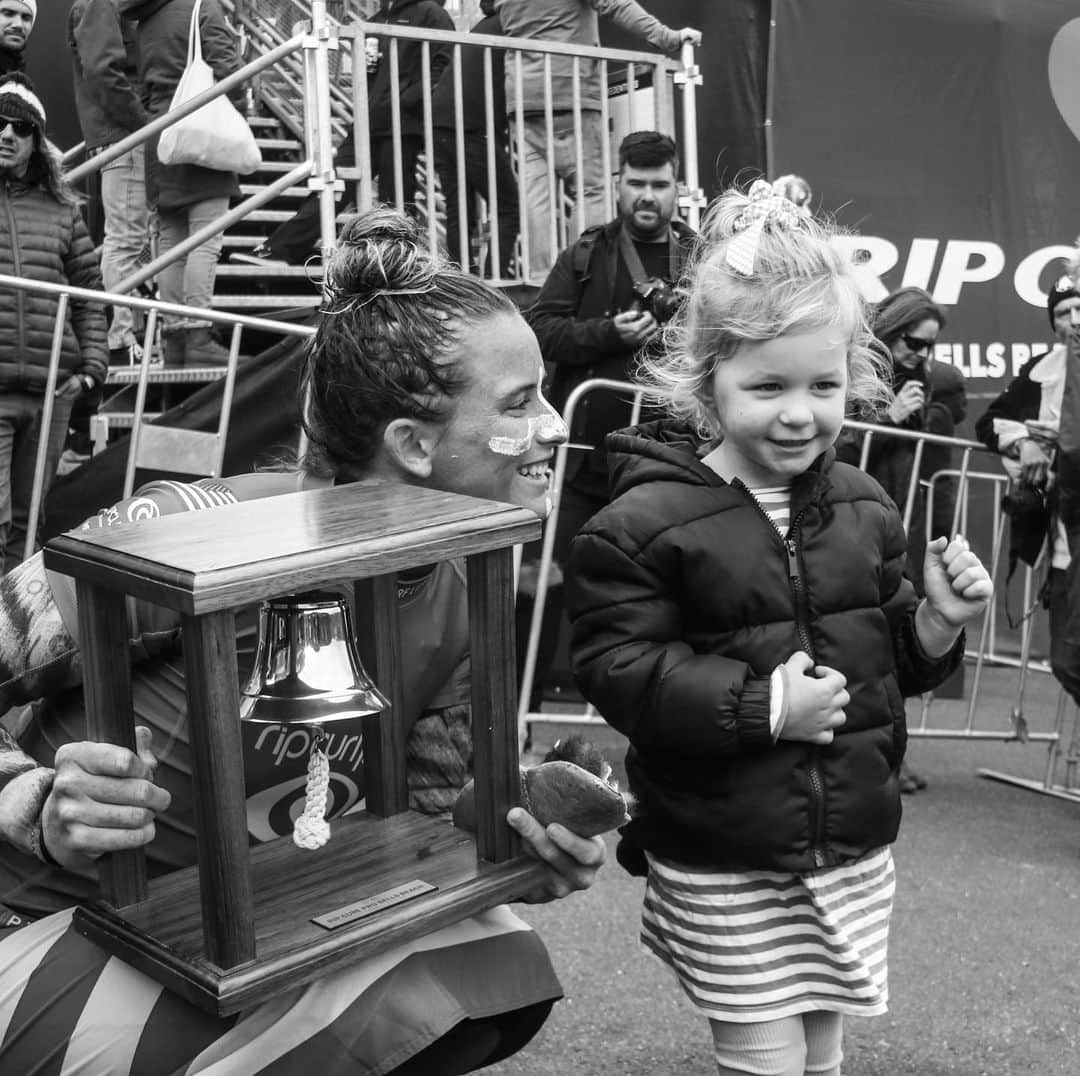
(917,343)
(22,128)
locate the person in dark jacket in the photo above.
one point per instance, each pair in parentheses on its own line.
(298,239)
(42,237)
(186,197)
(107,100)
(475,148)
(591,319)
(1024,424)
(17,18)
(740,613)
(929,397)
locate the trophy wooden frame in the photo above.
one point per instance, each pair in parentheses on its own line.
(246,923)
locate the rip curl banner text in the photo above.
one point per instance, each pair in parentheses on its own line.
(947,133)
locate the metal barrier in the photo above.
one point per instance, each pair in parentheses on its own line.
(341,49)
(1013,726)
(202,456)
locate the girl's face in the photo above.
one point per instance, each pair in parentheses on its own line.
(915,345)
(780,404)
(500,436)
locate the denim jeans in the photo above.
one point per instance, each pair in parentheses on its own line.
(190,280)
(564,160)
(20,430)
(123,198)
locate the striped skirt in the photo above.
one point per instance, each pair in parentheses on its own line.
(750,946)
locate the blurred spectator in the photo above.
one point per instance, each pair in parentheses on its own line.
(107,100)
(476,146)
(1025,424)
(44,239)
(295,241)
(573,22)
(796,190)
(930,397)
(185,197)
(596,310)
(17,19)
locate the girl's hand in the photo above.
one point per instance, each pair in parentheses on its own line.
(957,585)
(816,697)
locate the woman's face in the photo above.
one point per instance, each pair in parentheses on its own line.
(500,435)
(915,345)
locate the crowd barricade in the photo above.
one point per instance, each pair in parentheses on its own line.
(163,448)
(977,514)
(655,108)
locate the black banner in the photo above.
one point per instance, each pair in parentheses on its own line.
(947,134)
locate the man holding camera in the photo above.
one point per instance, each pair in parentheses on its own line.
(1023,424)
(607,296)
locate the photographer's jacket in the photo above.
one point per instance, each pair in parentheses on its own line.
(571,317)
(684,598)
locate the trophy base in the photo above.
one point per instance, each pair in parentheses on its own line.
(379,882)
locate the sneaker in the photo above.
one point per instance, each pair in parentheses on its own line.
(261,255)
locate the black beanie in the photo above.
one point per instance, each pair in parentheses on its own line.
(1063,288)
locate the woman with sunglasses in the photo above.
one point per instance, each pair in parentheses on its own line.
(929,397)
(43,238)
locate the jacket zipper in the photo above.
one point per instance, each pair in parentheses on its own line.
(817,785)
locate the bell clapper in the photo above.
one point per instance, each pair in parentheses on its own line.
(312,830)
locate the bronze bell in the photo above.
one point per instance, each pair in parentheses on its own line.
(307,671)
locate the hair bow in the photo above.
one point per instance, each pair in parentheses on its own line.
(765,206)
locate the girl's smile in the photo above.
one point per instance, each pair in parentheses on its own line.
(780,404)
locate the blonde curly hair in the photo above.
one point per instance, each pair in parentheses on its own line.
(800,282)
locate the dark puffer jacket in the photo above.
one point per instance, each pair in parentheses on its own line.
(44,240)
(684,598)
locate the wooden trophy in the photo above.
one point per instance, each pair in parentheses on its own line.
(249,922)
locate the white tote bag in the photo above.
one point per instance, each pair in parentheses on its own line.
(214,136)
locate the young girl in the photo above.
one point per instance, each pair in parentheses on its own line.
(740,614)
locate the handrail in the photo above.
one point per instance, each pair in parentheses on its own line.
(67,292)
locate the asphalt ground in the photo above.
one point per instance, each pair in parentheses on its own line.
(985,942)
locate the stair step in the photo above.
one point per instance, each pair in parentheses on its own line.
(242,242)
(248,189)
(276,166)
(263,121)
(244,271)
(279,143)
(266,302)
(269,216)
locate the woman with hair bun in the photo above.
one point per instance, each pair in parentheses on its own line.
(418,374)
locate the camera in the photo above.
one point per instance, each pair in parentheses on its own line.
(656,297)
(1023,500)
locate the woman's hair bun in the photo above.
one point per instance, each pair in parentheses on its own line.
(383,250)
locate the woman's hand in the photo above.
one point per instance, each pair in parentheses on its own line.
(1034,463)
(103,799)
(572,861)
(908,401)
